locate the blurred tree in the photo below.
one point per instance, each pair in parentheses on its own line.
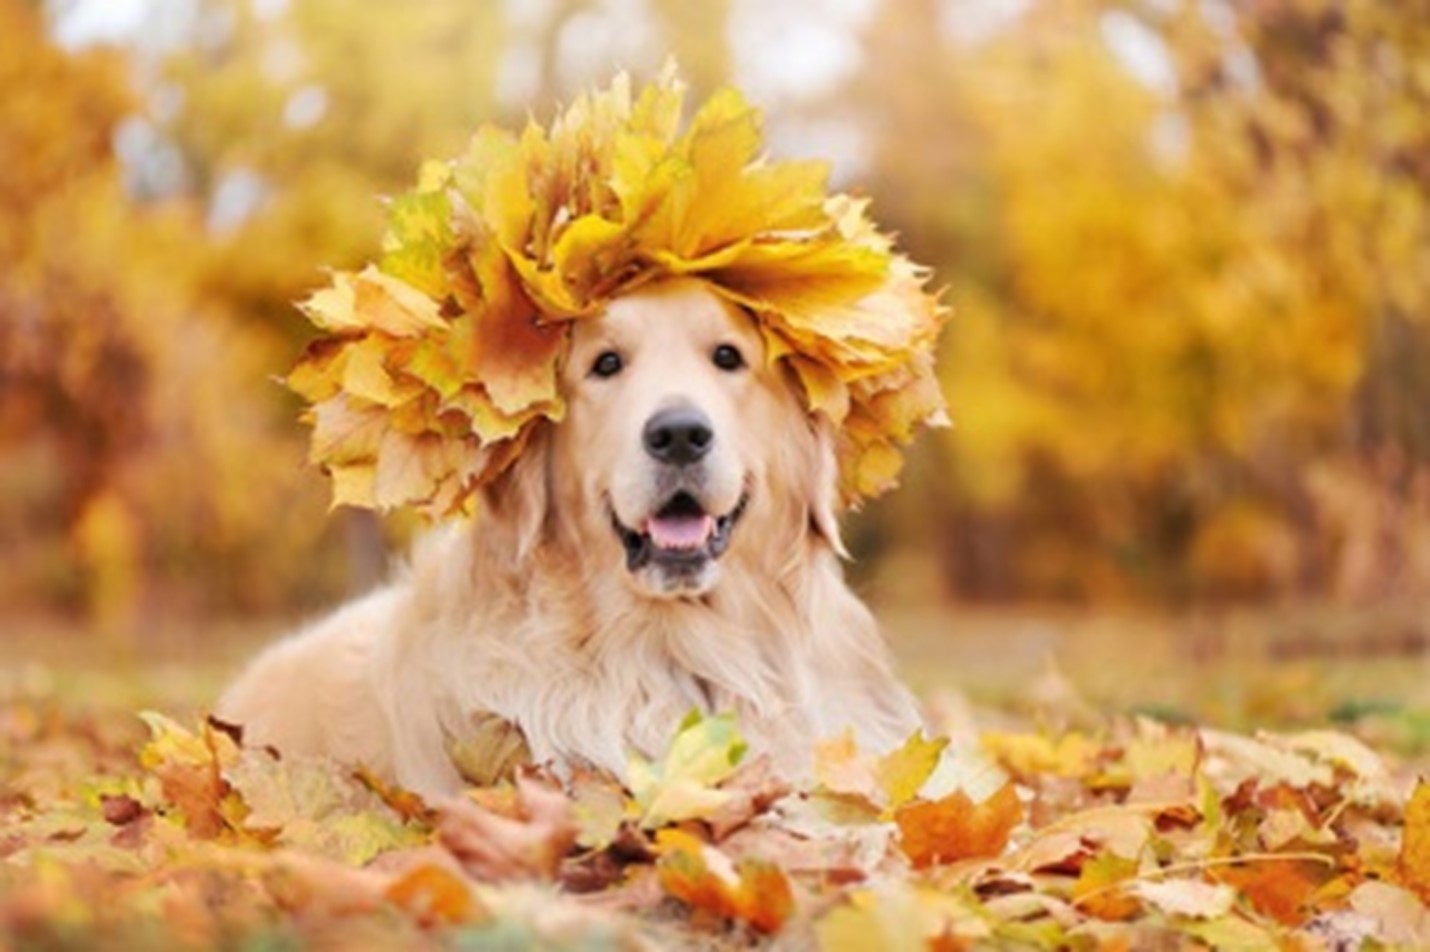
(1186,241)
(1316,120)
(1179,292)
(134,433)
(292,122)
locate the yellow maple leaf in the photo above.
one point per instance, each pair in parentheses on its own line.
(902,772)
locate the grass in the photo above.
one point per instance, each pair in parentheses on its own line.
(1272,666)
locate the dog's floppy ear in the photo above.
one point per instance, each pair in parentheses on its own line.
(823,494)
(519,502)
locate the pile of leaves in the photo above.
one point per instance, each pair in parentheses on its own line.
(439,361)
(1133,835)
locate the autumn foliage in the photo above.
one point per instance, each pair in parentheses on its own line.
(1130,833)
(439,362)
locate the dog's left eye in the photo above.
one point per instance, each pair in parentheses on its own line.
(727,357)
(608,364)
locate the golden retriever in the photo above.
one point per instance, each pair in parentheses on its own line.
(672,544)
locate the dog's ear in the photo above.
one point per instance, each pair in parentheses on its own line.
(824,493)
(519,501)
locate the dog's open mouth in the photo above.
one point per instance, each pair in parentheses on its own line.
(680,533)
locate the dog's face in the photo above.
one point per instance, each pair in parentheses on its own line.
(680,440)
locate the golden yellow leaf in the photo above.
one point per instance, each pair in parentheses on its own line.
(902,772)
(353,485)
(1414,864)
(1101,887)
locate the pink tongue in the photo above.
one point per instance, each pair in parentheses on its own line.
(680,532)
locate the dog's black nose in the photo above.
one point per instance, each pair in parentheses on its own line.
(679,435)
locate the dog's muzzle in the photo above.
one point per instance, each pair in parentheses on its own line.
(681,535)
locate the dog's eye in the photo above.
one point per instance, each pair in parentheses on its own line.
(608,364)
(727,357)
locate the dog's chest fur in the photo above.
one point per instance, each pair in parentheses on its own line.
(589,671)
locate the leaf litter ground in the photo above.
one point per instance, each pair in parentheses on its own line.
(123,830)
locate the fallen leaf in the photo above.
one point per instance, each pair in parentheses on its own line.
(752,890)
(841,767)
(434,895)
(956,828)
(190,769)
(313,804)
(1401,918)
(753,788)
(1185,897)
(599,808)
(1071,755)
(1102,887)
(902,772)
(1281,889)
(683,784)
(1414,863)
(494,848)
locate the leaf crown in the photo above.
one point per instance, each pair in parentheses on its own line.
(439,361)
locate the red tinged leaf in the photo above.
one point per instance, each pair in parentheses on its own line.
(121,810)
(956,828)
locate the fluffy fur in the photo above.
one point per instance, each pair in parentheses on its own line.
(538,612)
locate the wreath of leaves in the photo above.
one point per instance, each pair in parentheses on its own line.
(438,361)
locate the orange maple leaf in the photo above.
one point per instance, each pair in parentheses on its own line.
(956,828)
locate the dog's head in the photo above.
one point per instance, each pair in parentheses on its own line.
(682,445)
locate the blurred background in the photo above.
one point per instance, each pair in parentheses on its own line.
(1187,243)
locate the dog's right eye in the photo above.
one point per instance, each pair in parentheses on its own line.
(608,364)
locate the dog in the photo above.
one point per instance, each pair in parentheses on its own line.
(672,544)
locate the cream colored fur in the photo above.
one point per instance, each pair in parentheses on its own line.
(529,612)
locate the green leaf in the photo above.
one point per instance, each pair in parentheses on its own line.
(682,785)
